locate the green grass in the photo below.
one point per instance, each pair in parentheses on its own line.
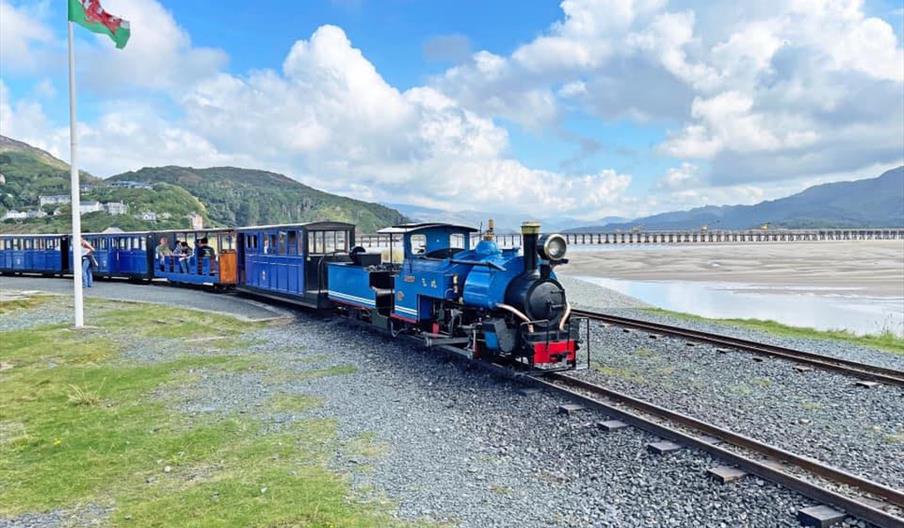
(620,373)
(26,303)
(79,425)
(885,340)
(294,402)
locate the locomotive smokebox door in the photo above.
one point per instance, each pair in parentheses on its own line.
(499,337)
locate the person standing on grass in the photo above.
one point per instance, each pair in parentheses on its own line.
(87,254)
(162,251)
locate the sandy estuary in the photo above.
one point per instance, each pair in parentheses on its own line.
(855,285)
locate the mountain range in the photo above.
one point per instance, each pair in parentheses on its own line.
(872,202)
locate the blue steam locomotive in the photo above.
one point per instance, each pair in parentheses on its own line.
(484,301)
(487,303)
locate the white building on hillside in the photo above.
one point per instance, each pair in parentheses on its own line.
(12,214)
(125,184)
(197,221)
(116,208)
(90,206)
(55,199)
(149,216)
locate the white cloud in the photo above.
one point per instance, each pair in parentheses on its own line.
(159,54)
(765,91)
(345,129)
(23,38)
(683,177)
(331,120)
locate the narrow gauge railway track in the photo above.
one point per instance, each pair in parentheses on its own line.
(852,368)
(862,498)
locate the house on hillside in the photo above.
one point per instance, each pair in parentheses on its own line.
(196,221)
(2,179)
(54,199)
(90,206)
(12,214)
(126,184)
(148,216)
(35,213)
(116,208)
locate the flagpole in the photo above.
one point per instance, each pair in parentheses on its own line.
(76,200)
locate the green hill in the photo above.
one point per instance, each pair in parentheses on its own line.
(223,196)
(29,173)
(235,196)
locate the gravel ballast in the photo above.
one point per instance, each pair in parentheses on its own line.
(446,442)
(816,413)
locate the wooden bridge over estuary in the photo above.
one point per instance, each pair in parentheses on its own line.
(703,236)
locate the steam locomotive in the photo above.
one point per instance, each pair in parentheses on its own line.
(487,303)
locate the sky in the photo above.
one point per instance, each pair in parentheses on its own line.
(584,108)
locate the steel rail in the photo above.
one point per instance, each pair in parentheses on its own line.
(854,368)
(577,390)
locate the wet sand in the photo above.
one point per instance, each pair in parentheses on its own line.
(863,268)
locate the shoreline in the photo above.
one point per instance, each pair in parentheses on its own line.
(873,268)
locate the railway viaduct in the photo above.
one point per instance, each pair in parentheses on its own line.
(749,236)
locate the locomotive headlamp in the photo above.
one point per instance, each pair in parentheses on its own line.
(552,247)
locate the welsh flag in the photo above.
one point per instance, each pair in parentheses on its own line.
(90,14)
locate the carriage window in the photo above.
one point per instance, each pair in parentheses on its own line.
(341,241)
(274,243)
(136,243)
(457,241)
(293,243)
(329,241)
(418,244)
(214,242)
(318,242)
(29,244)
(227,241)
(282,243)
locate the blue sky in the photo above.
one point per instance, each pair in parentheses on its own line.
(596,107)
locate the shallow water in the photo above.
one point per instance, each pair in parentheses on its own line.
(802,306)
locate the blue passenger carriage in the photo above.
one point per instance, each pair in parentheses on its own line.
(210,257)
(42,254)
(290,261)
(121,255)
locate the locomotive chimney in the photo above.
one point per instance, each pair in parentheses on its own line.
(530,232)
(490,233)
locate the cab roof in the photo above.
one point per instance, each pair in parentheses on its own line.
(413,228)
(327,225)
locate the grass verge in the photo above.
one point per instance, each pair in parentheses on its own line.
(79,425)
(886,340)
